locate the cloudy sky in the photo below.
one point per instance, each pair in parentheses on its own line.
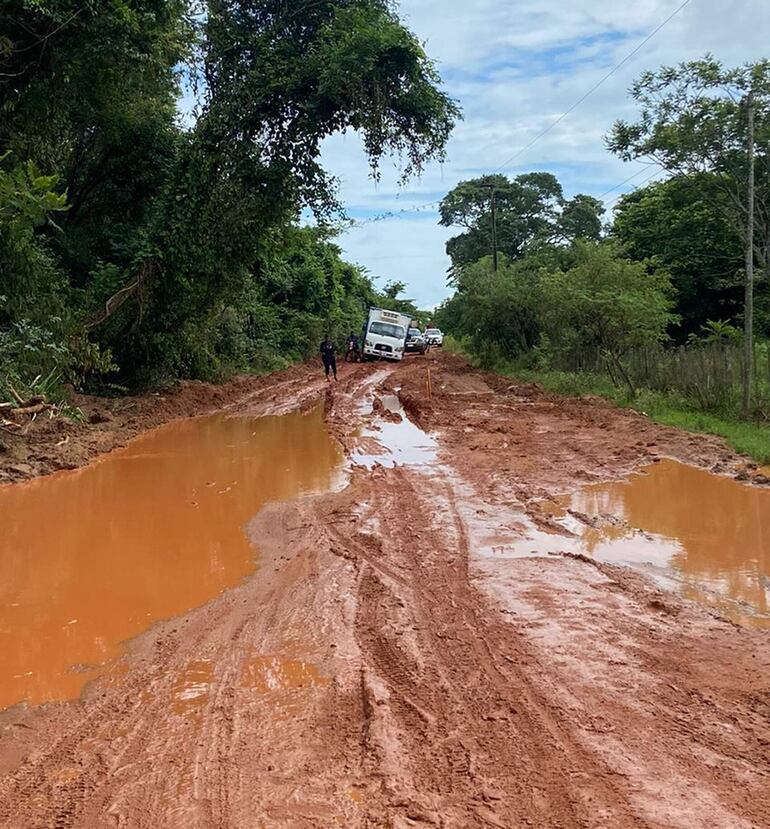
(515,67)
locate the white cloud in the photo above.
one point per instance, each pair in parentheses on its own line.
(515,68)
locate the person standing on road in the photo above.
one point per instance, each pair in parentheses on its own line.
(329,357)
(352,352)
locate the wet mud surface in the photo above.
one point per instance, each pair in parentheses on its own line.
(93,557)
(389,664)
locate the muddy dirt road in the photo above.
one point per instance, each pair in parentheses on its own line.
(398,659)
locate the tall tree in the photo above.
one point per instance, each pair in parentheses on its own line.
(279,79)
(696,118)
(173,230)
(682,224)
(608,302)
(530,209)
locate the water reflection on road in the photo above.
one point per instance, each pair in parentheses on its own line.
(712,531)
(92,557)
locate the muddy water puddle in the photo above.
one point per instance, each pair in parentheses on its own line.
(708,533)
(393,440)
(92,557)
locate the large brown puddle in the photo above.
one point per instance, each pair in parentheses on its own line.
(711,532)
(91,558)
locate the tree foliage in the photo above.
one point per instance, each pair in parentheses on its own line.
(682,224)
(179,252)
(606,302)
(554,305)
(693,122)
(530,210)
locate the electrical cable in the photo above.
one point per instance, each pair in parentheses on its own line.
(593,89)
(506,163)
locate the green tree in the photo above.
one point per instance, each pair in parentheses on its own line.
(695,119)
(33,286)
(390,298)
(496,313)
(607,302)
(530,210)
(393,288)
(280,78)
(180,249)
(580,218)
(682,224)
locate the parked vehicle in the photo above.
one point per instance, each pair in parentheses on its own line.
(433,336)
(415,341)
(385,334)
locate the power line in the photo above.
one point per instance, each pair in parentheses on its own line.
(393,214)
(625,181)
(641,184)
(593,89)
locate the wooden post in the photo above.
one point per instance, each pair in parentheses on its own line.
(494,232)
(748,313)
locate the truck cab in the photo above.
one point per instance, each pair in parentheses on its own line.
(385,334)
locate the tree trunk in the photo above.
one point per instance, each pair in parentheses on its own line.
(623,373)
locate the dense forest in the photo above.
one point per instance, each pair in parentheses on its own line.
(137,246)
(656,295)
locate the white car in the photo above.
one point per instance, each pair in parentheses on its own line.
(433,336)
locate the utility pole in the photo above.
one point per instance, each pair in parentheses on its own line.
(748,312)
(494,231)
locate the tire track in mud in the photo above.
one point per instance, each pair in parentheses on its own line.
(469,724)
(434,707)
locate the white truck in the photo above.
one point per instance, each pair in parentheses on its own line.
(385,334)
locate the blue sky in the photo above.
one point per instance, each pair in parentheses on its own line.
(515,67)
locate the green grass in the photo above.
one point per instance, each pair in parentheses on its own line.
(750,439)
(746,437)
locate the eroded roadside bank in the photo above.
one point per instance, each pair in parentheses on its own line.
(44,444)
(382,668)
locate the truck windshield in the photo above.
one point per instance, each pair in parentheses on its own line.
(387,329)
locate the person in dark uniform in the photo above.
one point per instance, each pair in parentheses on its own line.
(329,356)
(353,349)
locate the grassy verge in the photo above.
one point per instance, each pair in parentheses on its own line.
(748,438)
(752,439)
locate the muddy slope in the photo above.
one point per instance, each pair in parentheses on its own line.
(49,444)
(380,671)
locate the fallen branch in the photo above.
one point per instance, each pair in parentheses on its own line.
(137,287)
(34,409)
(113,303)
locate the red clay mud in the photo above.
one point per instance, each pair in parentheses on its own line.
(382,669)
(51,444)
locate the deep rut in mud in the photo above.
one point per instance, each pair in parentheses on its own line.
(383,669)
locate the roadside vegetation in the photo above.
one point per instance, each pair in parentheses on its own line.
(666,308)
(139,246)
